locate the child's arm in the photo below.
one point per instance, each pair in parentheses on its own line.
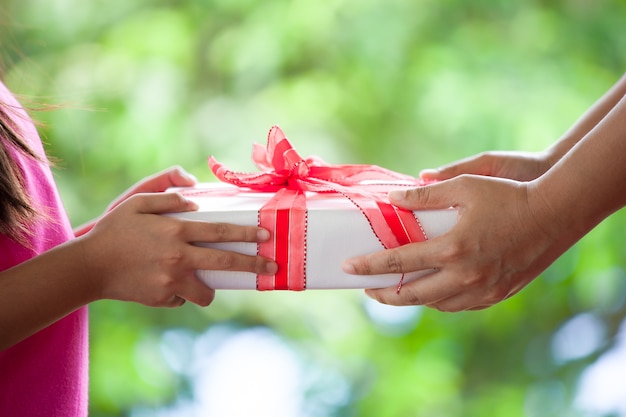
(132,254)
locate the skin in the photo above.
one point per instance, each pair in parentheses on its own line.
(518,212)
(131,253)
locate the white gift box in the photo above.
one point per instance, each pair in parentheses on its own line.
(336,230)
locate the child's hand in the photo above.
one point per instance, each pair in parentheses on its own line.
(171,177)
(161,181)
(136,254)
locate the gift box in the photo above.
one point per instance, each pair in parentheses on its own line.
(318,216)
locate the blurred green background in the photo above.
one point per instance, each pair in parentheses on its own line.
(406,84)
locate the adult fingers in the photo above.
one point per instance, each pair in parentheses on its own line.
(407,258)
(447,291)
(478,165)
(435,196)
(471,299)
(426,290)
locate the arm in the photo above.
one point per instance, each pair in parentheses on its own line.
(132,254)
(526,166)
(508,232)
(588,121)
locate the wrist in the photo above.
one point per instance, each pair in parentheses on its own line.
(554,153)
(91,275)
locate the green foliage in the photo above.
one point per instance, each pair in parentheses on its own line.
(403,84)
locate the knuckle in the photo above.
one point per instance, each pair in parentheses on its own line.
(363,267)
(173,257)
(176,198)
(421,194)
(471,280)
(393,262)
(411,296)
(138,202)
(165,290)
(148,202)
(464,181)
(173,228)
(453,251)
(221,231)
(377,295)
(225,261)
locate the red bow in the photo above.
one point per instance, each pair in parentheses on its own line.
(286,173)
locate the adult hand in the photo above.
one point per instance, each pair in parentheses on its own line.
(135,254)
(503,239)
(520,166)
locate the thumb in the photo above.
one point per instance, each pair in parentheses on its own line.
(428,197)
(172,177)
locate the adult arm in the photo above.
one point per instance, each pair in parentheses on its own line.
(508,232)
(526,166)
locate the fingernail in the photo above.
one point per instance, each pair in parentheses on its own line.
(348,268)
(429,171)
(271,268)
(262,235)
(397,195)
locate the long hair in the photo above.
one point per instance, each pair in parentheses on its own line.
(16,209)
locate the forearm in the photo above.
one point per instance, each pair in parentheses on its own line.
(42,290)
(588,121)
(589,182)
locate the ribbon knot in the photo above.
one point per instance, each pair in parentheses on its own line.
(284,172)
(292,177)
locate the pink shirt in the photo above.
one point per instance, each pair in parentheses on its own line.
(46,374)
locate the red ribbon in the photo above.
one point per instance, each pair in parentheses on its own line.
(286,173)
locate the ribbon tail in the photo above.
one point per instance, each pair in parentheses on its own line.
(285,216)
(392,225)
